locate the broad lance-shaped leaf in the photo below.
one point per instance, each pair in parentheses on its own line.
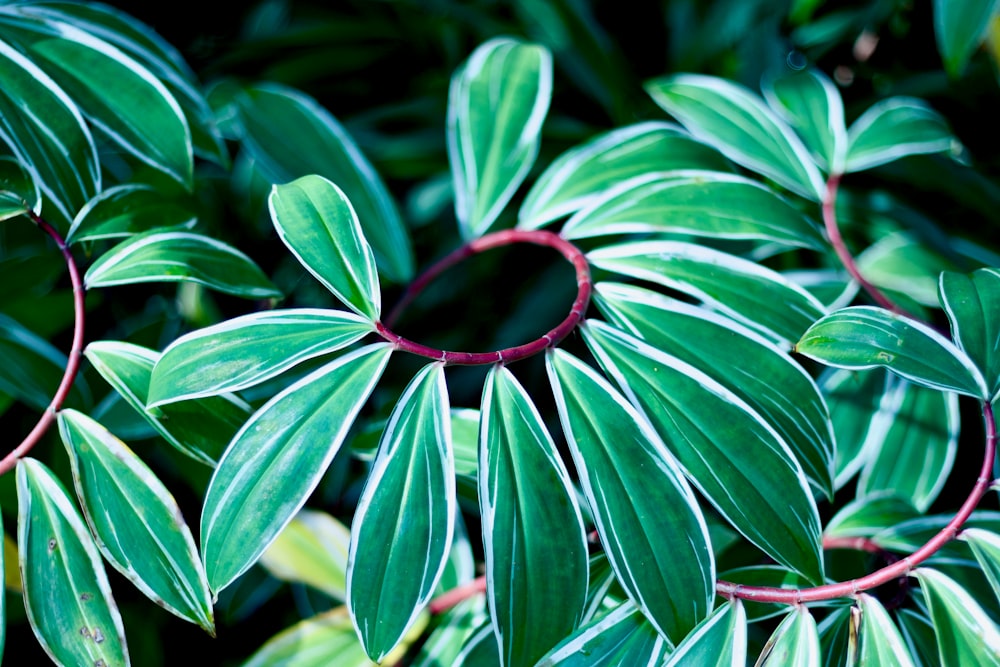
(861,409)
(31,368)
(582,174)
(200,428)
(738,123)
(115,92)
(289,135)
(838,636)
(530,521)
(311,549)
(173,256)
(497,103)
(863,337)
(249,349)
(740,288)
(881,645)
(972,302)
(871,514)
(402,531)
(44,129)
(704,203)
(620,637)
(737,358)
(985,545)
(794,642)
(136,521)
(276,460)
(960,27)
(895,128)
(66,591)
(728,451)
(647,516)
(718,641)
(316,221)
(18,191)
(480,649)
(966,635)
(125,210)
(811,104)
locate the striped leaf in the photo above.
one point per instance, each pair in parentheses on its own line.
(794,642)
(311,549)
(718,641)
(972,302)
(881,645)
(960,26)
(324,640)
(621,637)
(125,210)
(861,407)
(869,515)
(811,104)
(985,545)
(894,128)
(18,191)
(966,635)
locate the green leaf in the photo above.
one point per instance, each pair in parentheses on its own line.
(581,175)
(737,122)
(704,203)
(966,635)
(972,302)
(742,289)
(530,521)
(115,92)
(173,256)
(894,128)
(496,106)
(720,640)
(456,626)
(125,210)
(960,26)
(811,104)
(767,379)
(465,441)
(860,412)
(627,475)
(248,350)
(914,456)
(137,523)
(311,549)
(480,649)
(324,640)
(910,535)
(880,641)
(868,515)
(47,134)
(862,337)
(66,592)
(918,633)
(838,637)
(901,262)
(199,428)
(18,191)
(985,545)
(737,461)
(289,135)
(316,221)
(621,637)
(794,642)
(276,460)
(403,527)
(31,368)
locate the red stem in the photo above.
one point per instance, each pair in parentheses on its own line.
(855,543)
(510,354)
(898,569)
(449,599)
(75,353)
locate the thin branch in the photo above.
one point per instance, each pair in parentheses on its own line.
(854,543)
(508,355)
(75,353)
(896,570)
(449,599)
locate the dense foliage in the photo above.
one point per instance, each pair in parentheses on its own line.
(487,333)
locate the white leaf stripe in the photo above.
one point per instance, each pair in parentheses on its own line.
(895,150)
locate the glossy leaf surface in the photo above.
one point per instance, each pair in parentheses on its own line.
(880,642)
(621,637)
(324,640)
(966,635)
(718,641)
(311,549)
(810,102)
(277,458)
(794,642)
(627,474)
(985,545)
(125,210)
(972,303)
(403,528)
(530,521)
(894,128)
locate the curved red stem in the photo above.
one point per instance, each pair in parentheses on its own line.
(450,598)
(510,354)
(75,353)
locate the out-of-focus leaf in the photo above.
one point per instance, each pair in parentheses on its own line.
(621,637)
(738,123)
(530,521)
(986,546)
(871,514)
(128,209)
(325,640)
(718,641)
(311,549)
(248,350)
(966,635)
(833,287)
(862,337)
(316,221)
(704,203)
(465,441)
(402,530)
(880,641)
(172,256)
(445,642)
(972,303)
(276,460)
(894,128)
(728,451)
(18,191)
(767,379)
(740,288)
(918,633)
(199,428)
(496,106)
(903,264)
(137,523)
(960,26)
(31,368)
(578,177)
(861,409)
(838,637)
(773,576)
(66,591)
(480,649)
(811,104)
(794,642)
(288,135)
(910,535)
(627,474)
